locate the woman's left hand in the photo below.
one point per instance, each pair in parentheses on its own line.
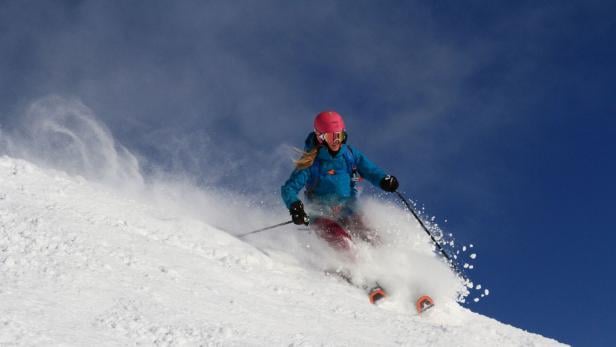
(389,183)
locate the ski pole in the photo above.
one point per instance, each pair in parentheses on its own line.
(266,228)
(426,230)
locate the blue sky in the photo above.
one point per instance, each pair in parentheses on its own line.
(498,117)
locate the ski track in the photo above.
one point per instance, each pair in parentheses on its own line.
(82,265)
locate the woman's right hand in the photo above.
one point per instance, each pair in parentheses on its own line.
(297,213)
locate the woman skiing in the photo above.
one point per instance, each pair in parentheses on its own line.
(329,170)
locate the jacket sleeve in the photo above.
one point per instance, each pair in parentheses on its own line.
(293,185)
(367,169)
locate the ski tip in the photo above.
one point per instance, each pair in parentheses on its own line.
(376,294)
(424,303)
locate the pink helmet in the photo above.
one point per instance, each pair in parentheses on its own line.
(328,122)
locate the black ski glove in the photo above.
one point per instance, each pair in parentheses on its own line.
(297,213)
(389,183)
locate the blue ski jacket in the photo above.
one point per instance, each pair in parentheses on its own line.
(331,180)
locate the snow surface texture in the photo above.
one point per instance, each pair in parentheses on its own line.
(84,265)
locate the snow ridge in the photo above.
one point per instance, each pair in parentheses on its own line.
(81,264)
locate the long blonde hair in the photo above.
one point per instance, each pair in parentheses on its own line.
(307,158)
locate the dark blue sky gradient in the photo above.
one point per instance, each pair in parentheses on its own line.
(498,117)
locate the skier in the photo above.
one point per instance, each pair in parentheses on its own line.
(329,170)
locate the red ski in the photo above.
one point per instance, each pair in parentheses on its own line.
(376,294)
(424,303)
(340,239)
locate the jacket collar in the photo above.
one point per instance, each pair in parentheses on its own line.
(325,155)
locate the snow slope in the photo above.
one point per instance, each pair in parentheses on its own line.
(83,265)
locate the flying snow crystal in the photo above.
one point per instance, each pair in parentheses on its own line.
(66,134)
(471,267)
(471,245)
(476,299)
(478,286)
(463,248)
(466,265)
(473,256)
(486,292)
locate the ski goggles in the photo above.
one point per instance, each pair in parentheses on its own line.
(332,138)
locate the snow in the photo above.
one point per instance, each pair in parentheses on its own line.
(82,264)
